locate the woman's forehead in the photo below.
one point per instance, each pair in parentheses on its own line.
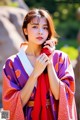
(38,20)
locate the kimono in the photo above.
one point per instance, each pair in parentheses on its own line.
(16,72)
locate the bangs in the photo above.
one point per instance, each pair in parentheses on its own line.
(36,20)
(31,16)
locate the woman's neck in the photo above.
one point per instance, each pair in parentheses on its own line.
(33,50)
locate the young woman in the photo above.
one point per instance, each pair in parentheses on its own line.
(38,82)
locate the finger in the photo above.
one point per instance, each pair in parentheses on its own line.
(50,43)
(47,62)
(40,56)
(49,47)
(44,58)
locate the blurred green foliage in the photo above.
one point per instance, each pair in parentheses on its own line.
(71,51)
(64,15)
(68,46)
(68,42)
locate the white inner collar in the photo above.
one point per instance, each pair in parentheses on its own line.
(25,61)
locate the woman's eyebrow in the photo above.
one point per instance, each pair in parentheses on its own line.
(45,25)
(38,24)
(34,23)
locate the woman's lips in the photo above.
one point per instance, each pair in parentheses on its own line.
(39,38)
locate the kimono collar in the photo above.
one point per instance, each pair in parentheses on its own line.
(25,61)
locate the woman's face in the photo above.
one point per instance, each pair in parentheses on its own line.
(37,30)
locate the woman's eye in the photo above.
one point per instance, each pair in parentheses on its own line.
(34,26)
(46,28)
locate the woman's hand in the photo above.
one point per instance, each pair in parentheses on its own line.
(50,44)
(41,62)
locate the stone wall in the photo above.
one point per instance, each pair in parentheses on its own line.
(11,35)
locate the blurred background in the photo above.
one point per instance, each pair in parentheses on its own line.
(66,17)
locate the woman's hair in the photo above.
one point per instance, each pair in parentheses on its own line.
(40,13)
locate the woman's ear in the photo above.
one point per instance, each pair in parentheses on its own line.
(25,31)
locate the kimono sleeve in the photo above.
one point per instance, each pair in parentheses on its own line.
(67,107)
(11,92)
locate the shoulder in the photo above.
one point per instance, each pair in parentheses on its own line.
(10,60)
(12,57)
(60,57)
(59,53)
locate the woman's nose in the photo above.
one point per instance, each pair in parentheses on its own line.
(40,31)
